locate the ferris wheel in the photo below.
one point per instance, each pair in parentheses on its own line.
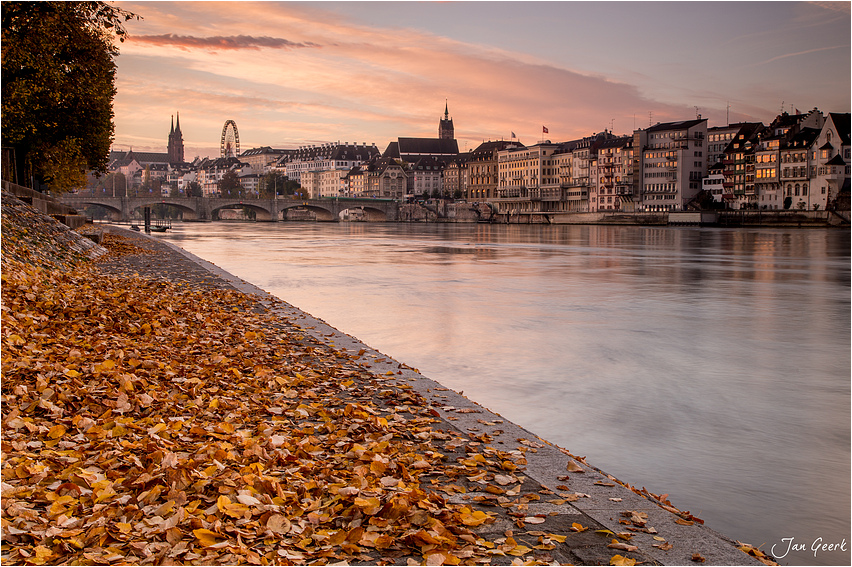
(230,144)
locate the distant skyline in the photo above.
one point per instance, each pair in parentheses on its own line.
(297,73)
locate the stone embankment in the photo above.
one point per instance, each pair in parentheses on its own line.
(159,410)
(47,205)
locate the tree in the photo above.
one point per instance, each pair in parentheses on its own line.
(269,184)
(787,202)
(58,86)
(194,189)
(229,185)
(115,182)
(290,187)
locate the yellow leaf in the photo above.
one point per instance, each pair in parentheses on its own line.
(474,519)
(556,537)
(104,494)
(214,403)
(206,537)
(165,508)
(41,556)
(56,431)
(58,505)
(74,542)
(337,538)
(157,428)
(520,550)
(16,340)
(146,328)
(577,527)
(222,502)
(368,505)
(619,560)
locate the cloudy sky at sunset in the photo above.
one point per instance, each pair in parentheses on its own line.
(296,73)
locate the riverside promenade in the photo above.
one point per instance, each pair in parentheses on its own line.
(503,495)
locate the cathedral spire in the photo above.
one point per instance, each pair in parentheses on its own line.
(446,109)
(175,150)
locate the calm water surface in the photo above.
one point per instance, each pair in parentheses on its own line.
(709,364)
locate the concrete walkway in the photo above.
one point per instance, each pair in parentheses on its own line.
(557,493)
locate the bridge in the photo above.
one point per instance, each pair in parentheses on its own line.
(206,208)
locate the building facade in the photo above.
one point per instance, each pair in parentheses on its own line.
(326,157)
(832,159)
(483,170)
(426,177)
(262,159)
(612,187)
(672,164)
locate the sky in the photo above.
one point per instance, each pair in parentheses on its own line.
(298,73)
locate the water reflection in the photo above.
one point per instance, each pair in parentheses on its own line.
(710,364)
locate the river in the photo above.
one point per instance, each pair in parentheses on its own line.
(709,364)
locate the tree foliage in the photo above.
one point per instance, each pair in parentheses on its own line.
(58,87)
(229,185)
(194,189)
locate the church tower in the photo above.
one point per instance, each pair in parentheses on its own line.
(445,127)
(175,142)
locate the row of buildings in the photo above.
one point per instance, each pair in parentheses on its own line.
(799,161)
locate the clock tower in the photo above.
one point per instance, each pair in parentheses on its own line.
(445,127)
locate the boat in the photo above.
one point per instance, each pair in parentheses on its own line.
(159,228)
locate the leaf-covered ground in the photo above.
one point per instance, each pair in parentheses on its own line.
(169,419)
(150,421)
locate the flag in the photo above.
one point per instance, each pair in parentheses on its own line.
(513,135)
(544,129)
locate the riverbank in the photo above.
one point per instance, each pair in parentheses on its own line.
(219,424)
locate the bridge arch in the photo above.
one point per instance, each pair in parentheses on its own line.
(262,213)
(189,212)
(323,214)
(114,212)
(363,213)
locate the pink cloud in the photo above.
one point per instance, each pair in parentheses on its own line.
(234,42)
